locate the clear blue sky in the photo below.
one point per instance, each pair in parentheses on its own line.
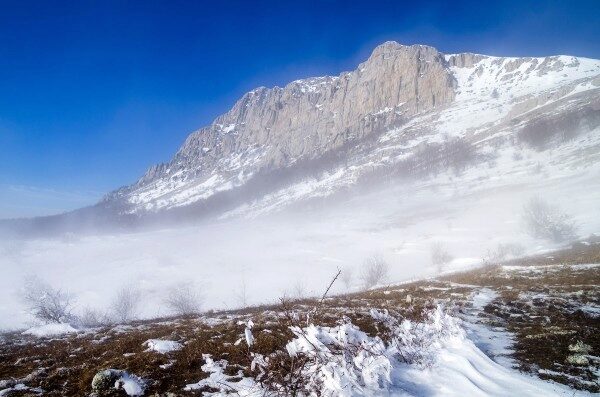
(94,92)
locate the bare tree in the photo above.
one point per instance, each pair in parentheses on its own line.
(545,221)
(184,299)
(346,276)
(440,257)
(375,270)
(46,303)
(125,304)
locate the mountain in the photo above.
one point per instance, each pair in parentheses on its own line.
(389,110)
(406,113)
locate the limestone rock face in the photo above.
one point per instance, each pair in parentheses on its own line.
(309,117)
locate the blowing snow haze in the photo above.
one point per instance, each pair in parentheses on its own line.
(411,149)
(419,162)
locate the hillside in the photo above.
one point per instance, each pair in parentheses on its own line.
(527,326)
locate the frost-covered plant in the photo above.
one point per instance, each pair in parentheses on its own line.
(580,350)
(545,221)
(580,347)
(577,359)
(417,343)
(125,304)
(45,303)
(340,356)
(345,361)
(439,256)
(184,299)
(375,270)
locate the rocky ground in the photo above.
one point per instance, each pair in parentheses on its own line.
(539,315)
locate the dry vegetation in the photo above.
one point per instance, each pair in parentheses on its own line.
(543,306)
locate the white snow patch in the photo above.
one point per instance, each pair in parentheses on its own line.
(48,330)
(131,384)
(162,346)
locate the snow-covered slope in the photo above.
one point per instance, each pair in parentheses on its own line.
(404,111)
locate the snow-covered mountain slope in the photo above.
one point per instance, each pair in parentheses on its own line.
(406,111)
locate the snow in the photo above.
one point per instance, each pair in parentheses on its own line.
(248,333)
(162,346)
(19,387)
(433,358)
(464,370)
(494,341)
(131,384)
(229,128)
(238,384)
(49,330)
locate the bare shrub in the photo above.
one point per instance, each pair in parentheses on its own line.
(347,276)
(375,270)
(242,293)
(46,303)
(440,257)
(300,290)
(125,304)
(184,299)
(506,250)
(93,318)
(545,221)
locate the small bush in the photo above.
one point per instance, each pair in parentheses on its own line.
(506,250)
(440,257)
(45,303)
(125,304)
(91,318)
(374,272)
(346,276)
(545,221)
(184,299)
(299,290)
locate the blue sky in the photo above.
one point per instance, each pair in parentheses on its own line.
(94,92)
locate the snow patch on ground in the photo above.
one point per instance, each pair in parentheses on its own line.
(49,330)
(226,384)
(162,346)
(131,384)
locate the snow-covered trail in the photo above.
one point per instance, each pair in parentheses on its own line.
(476,363)
(462,369)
